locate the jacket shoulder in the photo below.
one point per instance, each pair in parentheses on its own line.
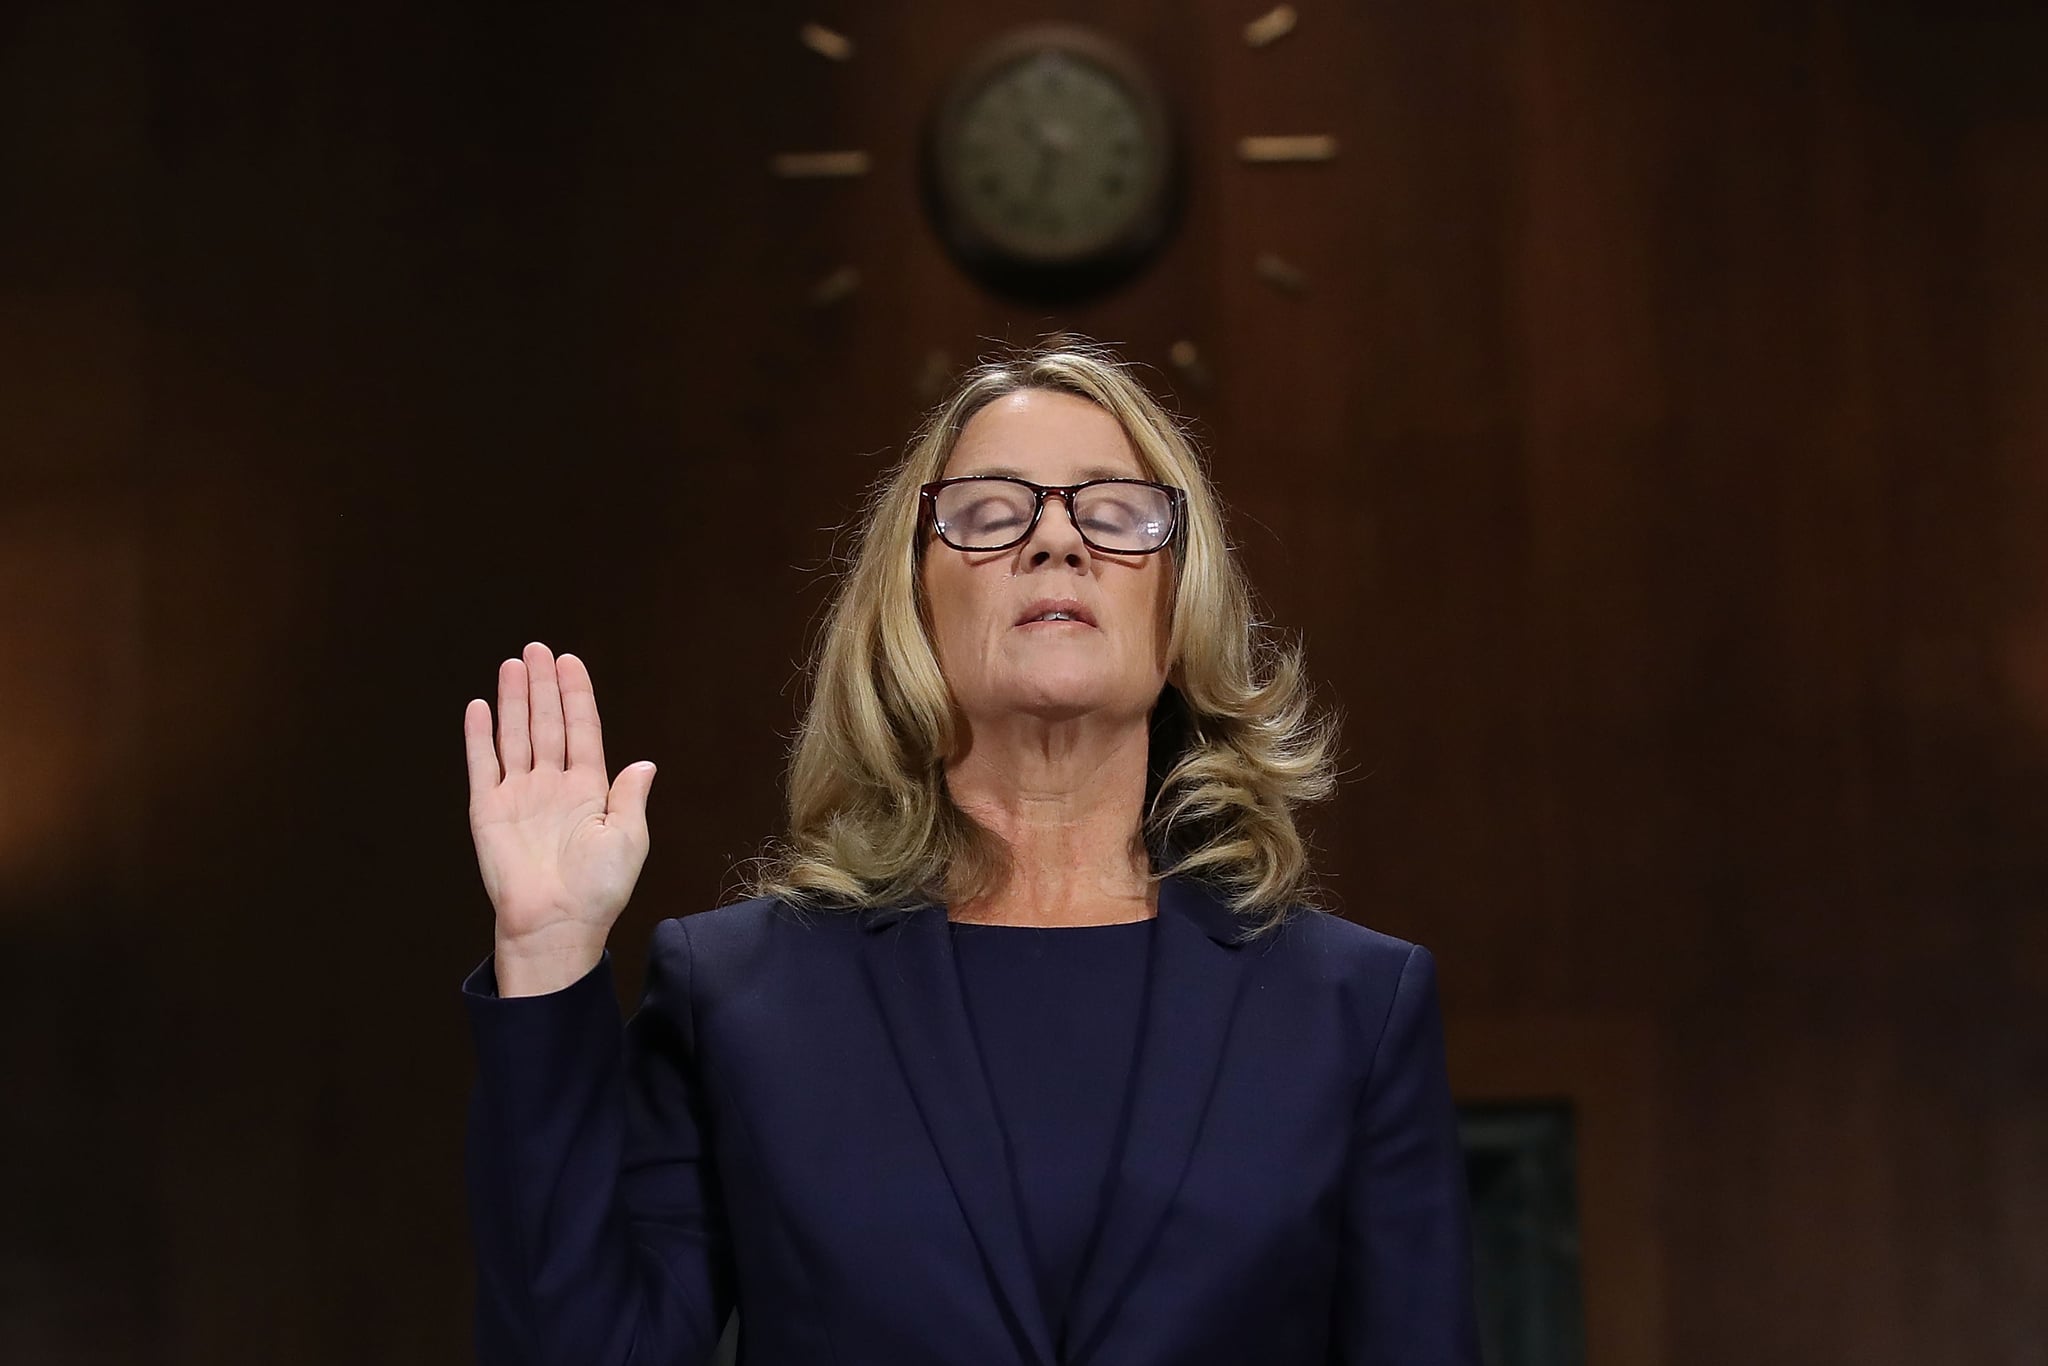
(1333,948)
(1367,974)
(746,941)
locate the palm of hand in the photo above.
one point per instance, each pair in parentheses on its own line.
(547,852)
(559,848)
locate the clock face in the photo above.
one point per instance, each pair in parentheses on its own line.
(1052,151)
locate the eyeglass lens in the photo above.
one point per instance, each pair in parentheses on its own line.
(992,514)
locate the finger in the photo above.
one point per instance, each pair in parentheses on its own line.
(579,714)
(476,747)
(626,805)
(515,750)
(544,702)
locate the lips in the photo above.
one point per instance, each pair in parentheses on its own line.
(1070,608)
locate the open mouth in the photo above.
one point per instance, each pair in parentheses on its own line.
(1056,612)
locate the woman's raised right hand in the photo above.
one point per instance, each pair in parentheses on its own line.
(559,847)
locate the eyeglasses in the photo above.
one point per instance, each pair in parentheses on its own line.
(996,511)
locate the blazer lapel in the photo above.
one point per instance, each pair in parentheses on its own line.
(908,956)
(1197,972)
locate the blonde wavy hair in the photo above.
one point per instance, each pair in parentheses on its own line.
(1236,743)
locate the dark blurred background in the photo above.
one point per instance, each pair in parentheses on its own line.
(1650,446)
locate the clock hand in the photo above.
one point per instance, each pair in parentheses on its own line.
(1053,141)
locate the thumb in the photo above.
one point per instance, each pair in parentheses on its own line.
(626,807)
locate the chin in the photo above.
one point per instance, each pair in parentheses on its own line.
(1049,702)
(1067,700)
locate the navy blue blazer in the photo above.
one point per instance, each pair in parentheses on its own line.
(796,1120)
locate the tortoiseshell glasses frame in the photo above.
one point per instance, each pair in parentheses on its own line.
(1152,539)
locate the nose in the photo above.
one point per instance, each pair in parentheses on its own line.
(1057,537)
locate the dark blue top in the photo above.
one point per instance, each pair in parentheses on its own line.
(797,1117)
(1054,1013)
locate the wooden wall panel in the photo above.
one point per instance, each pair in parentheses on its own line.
(1652,466)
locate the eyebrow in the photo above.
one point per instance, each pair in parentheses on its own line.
(1093,472)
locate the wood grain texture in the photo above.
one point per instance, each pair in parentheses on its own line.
(1654,462)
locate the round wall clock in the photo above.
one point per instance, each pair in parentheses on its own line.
(1049,164)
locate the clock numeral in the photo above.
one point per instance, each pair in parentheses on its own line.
(1270,27)
(835,287)
(818,165)
(1288,147)
(1188,360)
(830,44)
(1277,271)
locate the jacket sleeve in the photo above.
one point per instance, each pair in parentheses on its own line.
(1405,1278)
(599,1236)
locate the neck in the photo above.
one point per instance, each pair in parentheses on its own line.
(1067,798)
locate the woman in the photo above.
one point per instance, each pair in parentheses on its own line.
(1024,1051)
